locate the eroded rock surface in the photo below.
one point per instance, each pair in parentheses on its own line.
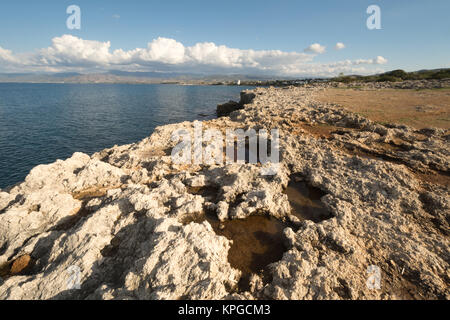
(123,217)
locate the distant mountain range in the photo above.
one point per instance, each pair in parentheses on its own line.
(116,76)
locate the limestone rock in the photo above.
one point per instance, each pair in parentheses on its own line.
(227,108)
(116,221)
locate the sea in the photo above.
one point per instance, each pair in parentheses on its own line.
(40,123)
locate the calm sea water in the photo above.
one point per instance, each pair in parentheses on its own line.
(40,123)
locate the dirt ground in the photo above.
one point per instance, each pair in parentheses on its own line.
(415,108)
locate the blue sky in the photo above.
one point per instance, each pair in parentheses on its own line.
(415,34)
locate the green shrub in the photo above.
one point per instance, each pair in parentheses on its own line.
(386,78)
(442,74)
(397,74)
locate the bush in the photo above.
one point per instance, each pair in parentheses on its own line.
(386,78)
(442,74)
(397,74)
(345,79)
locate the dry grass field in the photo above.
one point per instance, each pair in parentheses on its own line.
(415,108)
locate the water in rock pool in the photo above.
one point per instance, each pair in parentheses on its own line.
(305,202)
(40,123)
(257,242)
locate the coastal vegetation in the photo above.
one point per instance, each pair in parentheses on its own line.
(397,76)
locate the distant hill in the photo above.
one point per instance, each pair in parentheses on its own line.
(151,75)
(117,76)
(399,75)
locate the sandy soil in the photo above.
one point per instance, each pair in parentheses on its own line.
(415,108)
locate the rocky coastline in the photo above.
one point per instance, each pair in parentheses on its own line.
(135,225)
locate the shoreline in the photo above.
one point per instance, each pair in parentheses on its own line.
(120,216)
(345,82)
(76,107)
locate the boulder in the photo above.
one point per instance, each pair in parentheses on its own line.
(227,108)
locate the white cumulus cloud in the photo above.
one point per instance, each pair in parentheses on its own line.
(315,48)
(6,56)
(162,54)
(70,50)
(339,46)
(380,60)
